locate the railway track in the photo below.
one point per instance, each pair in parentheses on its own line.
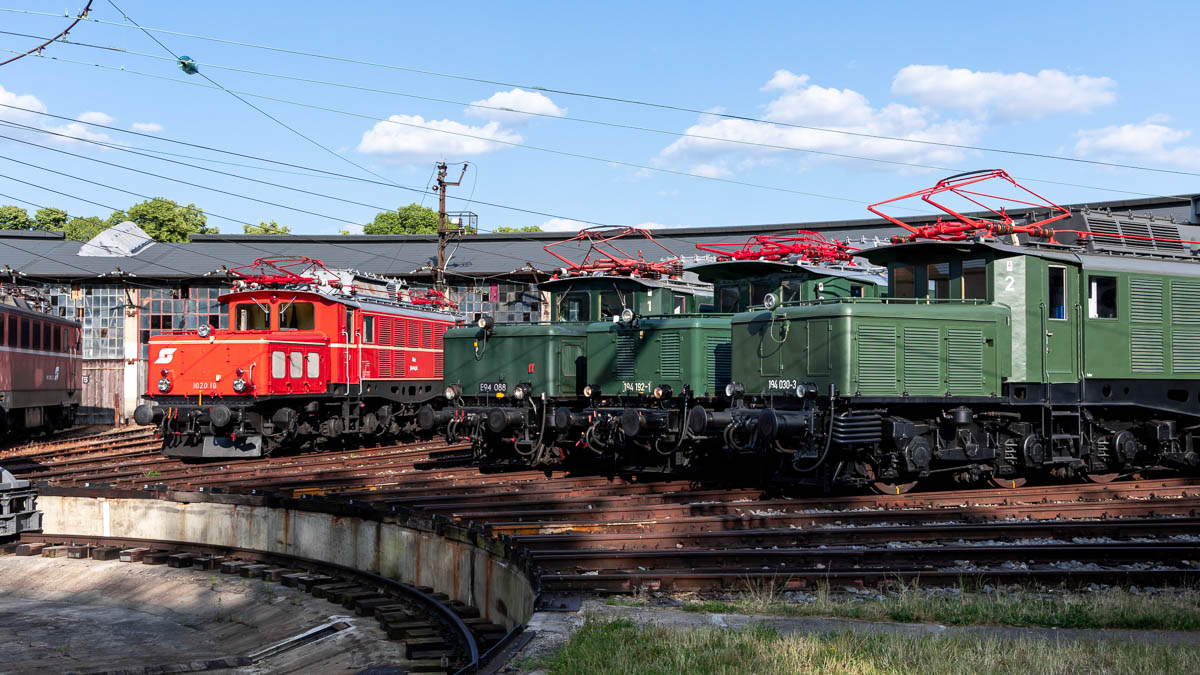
(593,534)
(437,633)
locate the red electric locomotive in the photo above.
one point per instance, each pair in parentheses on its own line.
(310,355)
(41,370)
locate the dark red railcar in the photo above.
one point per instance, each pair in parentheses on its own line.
(41,369)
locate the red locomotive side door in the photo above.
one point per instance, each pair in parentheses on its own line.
(302,369)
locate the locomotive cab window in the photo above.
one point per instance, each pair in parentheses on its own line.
(680,304)
(729,299)
(1102,297)
(2,323)
(575,307)
(610,304)
(792,290)
(58,339)
(974,279)
(937,279)
(369,329)
(856,291)
(37,334)
(24,333)
(250,316)
(297,316)
(12,331)
(758,291)
(1056,290)
(903,280)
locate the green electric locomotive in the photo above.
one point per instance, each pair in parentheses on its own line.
(1004,350)
(646,372)
(502,382)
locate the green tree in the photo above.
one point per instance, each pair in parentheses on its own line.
(14,218)
(527,228)
(165,220)
(50,219)
(83,229)
(267,228)
(411,219)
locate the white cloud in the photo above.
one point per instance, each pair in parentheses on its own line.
(353,228)
(1008,95)
(803,103)
(517,99)
(710,170)
(96,118)
(410,138)
(147,127)
(785,79)
(562,225)
(1150,141)
(32,103)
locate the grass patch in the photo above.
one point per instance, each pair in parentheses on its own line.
(620,646)
(1174,610)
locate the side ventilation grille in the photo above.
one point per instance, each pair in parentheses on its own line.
(964,361)
(626,356)
(876,359)
(719,363)
(670,355)
(922,360)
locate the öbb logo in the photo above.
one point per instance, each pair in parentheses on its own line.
(166,355)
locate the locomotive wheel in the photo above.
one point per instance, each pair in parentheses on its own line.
(892,488)
(1007,482)
(1100,478)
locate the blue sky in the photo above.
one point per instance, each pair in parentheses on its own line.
(1099,80)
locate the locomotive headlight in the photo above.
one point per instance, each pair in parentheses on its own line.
(204,330)
(164,385)
(627,315)
(588,391)
(770,301)
(521,391)
(662,391)
(451,392)
(164,372)
(239,372)
(239,385)
(734,389)
(486,322)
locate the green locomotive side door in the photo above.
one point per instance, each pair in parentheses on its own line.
(1060,320)
(572,368)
